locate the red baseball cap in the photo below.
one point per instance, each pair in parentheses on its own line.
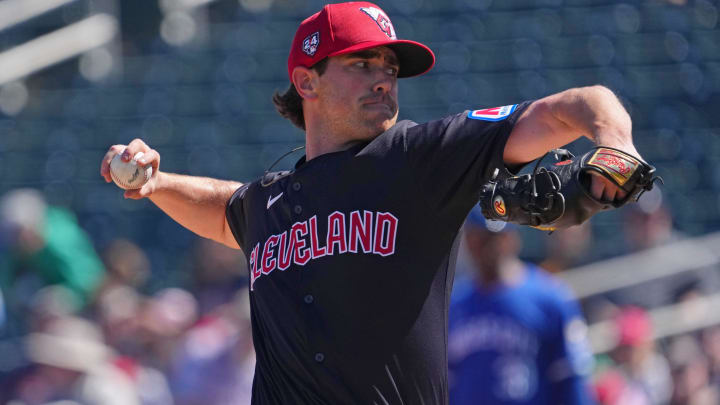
(634,326)
(351,27)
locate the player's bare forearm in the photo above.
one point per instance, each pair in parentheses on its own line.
(598,114)
(197,203)
(556,120)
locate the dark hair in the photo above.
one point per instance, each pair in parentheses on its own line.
(289,103)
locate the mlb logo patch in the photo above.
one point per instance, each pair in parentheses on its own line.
(381,20)
(493,114)
(311,43)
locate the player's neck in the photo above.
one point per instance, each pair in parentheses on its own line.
(319,142)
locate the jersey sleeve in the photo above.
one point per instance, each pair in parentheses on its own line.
(458,154)
(236,216)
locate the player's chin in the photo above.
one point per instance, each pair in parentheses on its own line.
(384,125)
(382,120)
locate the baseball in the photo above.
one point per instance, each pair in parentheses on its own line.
(129,175)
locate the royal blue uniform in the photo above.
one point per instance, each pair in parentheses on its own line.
(351,256)
(520,344)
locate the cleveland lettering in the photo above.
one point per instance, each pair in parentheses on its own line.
(365,232)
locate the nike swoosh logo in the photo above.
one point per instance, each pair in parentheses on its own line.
(271,200)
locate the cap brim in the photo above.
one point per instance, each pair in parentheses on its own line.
(415,58)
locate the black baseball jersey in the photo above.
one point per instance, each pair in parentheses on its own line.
(351,257)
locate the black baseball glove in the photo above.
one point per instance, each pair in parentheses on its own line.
(559,196)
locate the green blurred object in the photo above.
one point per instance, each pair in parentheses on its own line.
(66,257)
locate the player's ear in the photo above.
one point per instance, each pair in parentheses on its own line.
(305,81)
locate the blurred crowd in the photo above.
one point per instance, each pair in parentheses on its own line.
(683,369)
(81,324)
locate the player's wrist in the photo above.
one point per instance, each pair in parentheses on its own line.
(616,138)
(626,147)
(160,182)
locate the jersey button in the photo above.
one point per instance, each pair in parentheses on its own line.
(296,186)
(309,299)
(297,209)
(319,357)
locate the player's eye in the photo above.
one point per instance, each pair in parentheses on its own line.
(392,71)
(363,64)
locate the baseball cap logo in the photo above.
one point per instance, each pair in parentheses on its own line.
(310,44)
(381,19)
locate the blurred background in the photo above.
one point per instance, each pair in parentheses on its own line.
(104,295)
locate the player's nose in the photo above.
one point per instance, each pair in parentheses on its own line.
(383,83)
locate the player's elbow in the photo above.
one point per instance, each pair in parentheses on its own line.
(599,90)
(596,90)
(599,95)
(579,96)
(600,100)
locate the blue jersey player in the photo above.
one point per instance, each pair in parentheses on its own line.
(516,333)
(351,253)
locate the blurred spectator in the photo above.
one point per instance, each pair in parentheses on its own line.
(49,304)
(70,362)
(43,245)
(516,334)
(211,360)
(215,361)
(711,346)
(126,264)
(613,388)
(691,371)
(119,314)
(568,248)
(118,311)
(646,372)
(218,273)
(164,319)
(648,223)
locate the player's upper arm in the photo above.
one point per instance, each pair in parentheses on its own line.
(537,131)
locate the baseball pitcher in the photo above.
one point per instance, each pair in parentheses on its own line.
(351,253)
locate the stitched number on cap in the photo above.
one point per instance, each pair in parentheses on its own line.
(311,43)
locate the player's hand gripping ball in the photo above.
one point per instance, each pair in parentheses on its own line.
(129,175)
